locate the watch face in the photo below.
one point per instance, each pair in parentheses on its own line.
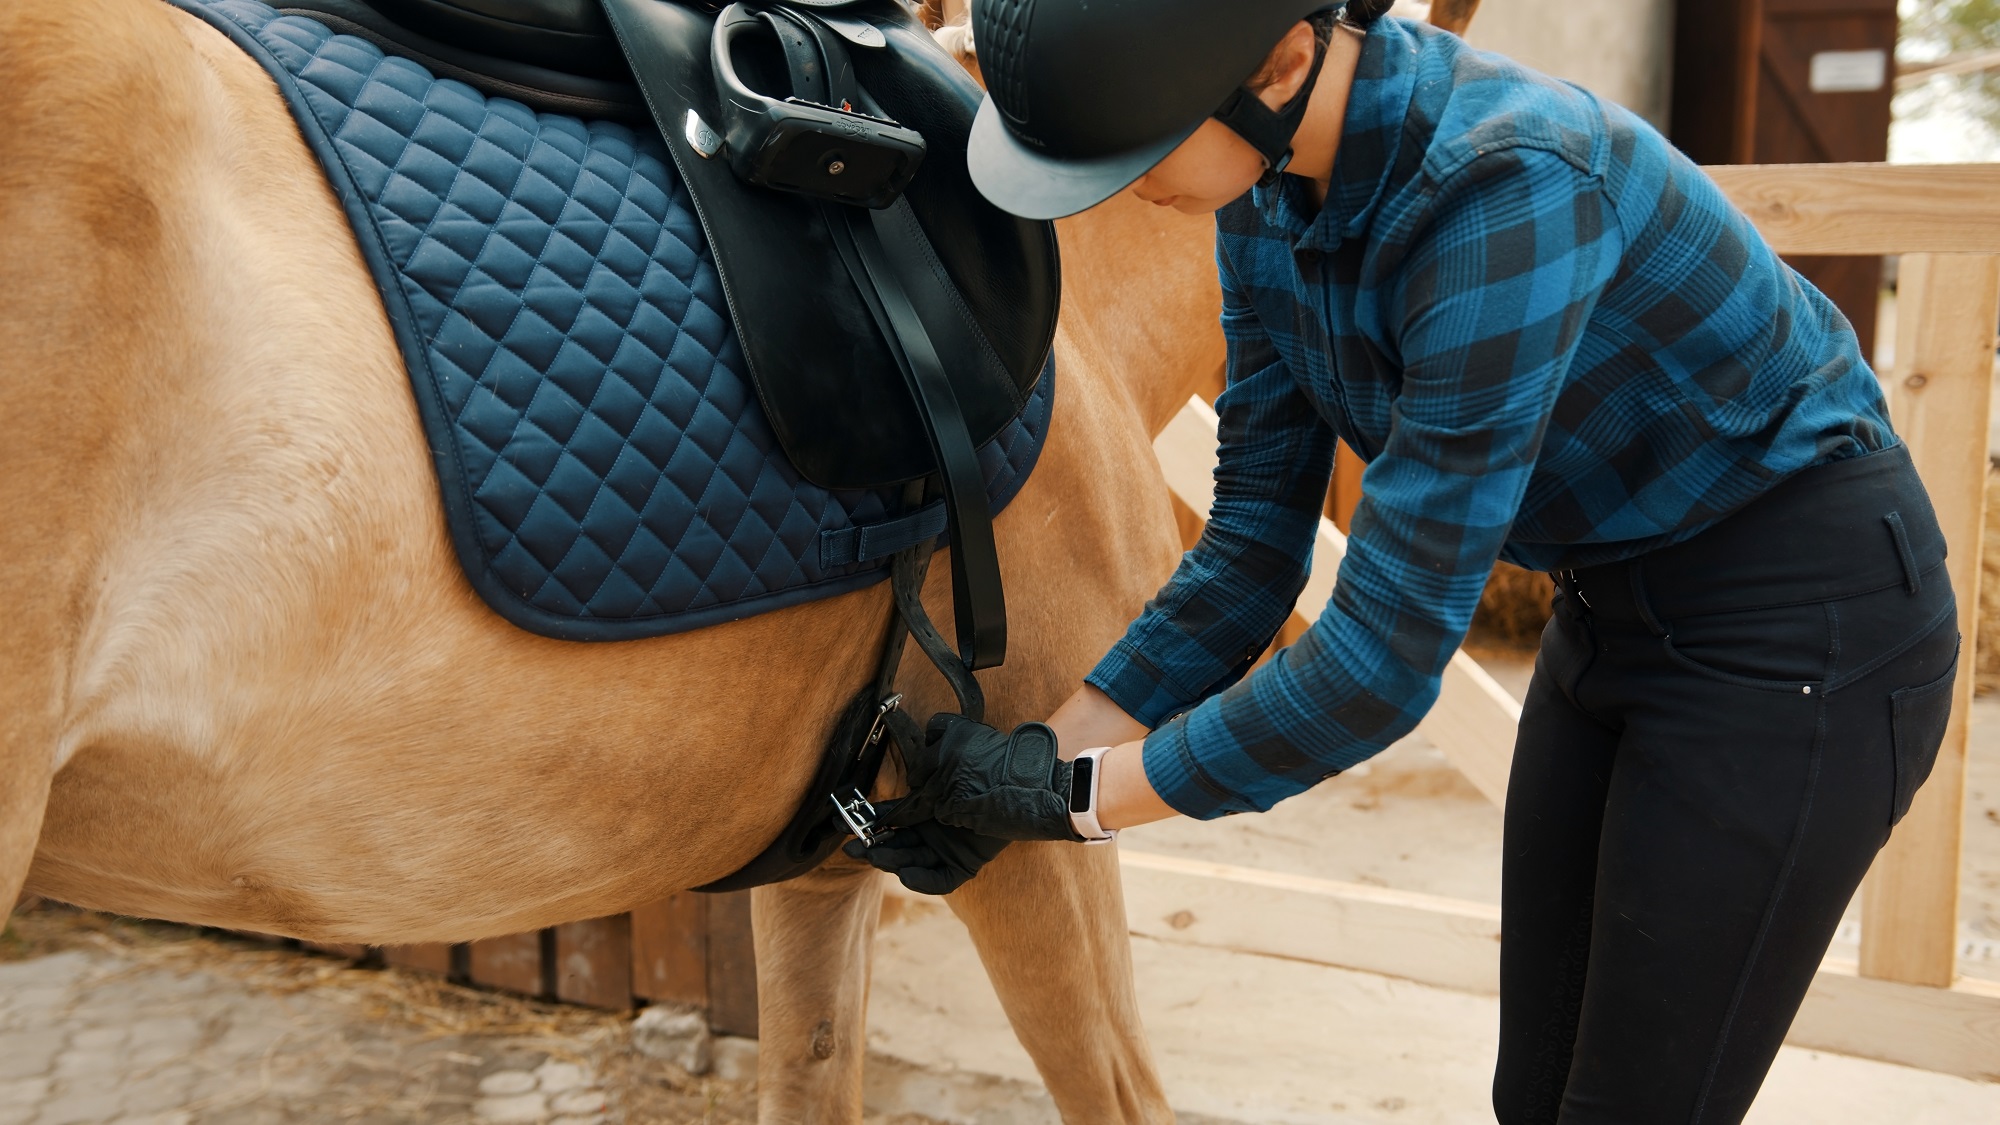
(1079,784)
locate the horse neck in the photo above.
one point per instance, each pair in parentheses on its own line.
(1140,296)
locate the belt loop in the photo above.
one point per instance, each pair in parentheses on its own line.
(1901,537)
(1635,571)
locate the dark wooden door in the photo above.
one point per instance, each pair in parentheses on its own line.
(1791,82)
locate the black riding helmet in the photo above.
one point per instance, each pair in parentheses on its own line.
(1086,96)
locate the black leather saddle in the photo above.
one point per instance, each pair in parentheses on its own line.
(887,337)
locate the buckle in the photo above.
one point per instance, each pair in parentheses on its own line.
(881,725)
(859,815)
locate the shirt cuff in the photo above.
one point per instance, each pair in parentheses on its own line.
(1136,685)
(1177,775)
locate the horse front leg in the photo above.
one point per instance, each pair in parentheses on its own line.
(813,937)
(1063,972)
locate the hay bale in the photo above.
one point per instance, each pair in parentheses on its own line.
(1513,609)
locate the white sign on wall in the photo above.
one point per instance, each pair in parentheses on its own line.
(1849,72)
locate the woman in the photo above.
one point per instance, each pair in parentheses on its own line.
(1554,342)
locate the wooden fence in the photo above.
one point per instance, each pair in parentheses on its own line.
(691,950)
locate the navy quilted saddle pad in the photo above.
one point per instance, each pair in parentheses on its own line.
(607,472)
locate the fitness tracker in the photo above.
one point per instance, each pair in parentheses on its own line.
(1083,786)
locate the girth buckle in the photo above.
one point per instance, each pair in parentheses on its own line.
(882,719)
(859,815)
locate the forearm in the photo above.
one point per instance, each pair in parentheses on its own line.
(1125,798)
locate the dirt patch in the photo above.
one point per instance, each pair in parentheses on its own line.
(345,1043)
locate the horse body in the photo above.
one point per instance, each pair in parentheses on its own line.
(245,684)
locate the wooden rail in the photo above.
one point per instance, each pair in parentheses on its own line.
(1903,1002)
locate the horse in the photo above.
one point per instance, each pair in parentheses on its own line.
(245,684)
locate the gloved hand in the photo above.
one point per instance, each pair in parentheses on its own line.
(1010,787)
(929,858)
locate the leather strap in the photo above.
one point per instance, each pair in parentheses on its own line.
(880,249)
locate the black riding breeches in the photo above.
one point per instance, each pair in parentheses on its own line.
(1717,740)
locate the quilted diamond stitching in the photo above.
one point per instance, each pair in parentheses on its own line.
(617,464)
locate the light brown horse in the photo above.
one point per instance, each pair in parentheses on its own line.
(243,682)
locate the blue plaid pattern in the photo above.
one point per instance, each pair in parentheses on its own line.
(1552,339)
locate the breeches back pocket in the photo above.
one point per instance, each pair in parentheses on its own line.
(1917,717)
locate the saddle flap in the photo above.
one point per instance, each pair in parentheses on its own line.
(824,374)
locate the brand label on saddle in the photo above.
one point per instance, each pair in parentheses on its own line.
(861,33)
(606,468)
(701,138)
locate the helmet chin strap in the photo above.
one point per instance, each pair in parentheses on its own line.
(1270,131)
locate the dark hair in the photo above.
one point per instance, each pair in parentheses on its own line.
(1361,13)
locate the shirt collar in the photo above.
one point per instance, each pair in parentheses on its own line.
(1384,85)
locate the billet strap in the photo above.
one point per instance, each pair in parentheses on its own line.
(861,738)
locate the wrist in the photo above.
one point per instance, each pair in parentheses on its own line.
(1126,799)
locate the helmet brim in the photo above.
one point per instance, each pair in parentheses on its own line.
(1021,181)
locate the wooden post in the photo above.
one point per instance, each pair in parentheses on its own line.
(593,962)
(434,959)
(732,966)
(512,963)
(1939,397)
(349,950)
(670,951)
(1453,15)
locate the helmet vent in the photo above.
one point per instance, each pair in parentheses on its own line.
(1002,35)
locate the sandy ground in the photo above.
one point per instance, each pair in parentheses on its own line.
(105,1020)
(1274,1042)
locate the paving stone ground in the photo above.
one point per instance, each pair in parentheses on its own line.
(112,1022)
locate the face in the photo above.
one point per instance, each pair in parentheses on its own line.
(1211,168)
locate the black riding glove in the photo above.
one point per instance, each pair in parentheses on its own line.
(1010,787)
(929,858)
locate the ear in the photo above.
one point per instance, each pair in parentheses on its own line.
(1289,64)
(932,13)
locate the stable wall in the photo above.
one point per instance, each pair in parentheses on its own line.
(1618,49)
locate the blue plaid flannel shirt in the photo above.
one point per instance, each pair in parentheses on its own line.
(1552,339)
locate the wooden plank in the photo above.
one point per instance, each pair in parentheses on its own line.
(1474,718)
(1435,940)
(348,950)
(434,959)
(512,963)
(732,966)
(1869,208)
(1954,1030)
(1474,721)
(1939,397)
(593,962)
(1452,943)
(670,951)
